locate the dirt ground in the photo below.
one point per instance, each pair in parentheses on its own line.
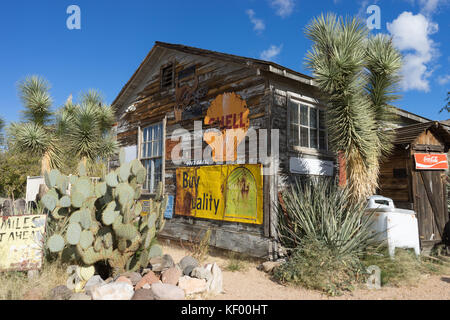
(248,283)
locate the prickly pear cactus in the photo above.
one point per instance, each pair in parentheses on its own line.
(102,221)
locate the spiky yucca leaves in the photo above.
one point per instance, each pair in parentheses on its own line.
(36,140)
(358,75)
(87,127)
(383,65)
(318,209)
(34,93)
(36,135)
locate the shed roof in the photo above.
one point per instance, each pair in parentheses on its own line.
(408,134)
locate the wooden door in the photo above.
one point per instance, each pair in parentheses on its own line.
(430,204)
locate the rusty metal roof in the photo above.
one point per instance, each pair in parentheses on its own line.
(408,134)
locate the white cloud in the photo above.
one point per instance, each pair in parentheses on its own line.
(443,80)
(429,7)
(283,8)
(411,35)
(258,24)
(271,53)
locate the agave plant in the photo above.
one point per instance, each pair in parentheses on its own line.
(319,209)
(359,75)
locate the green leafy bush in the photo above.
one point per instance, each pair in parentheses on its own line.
(314,265)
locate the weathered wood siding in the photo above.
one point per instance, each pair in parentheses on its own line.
(153,105)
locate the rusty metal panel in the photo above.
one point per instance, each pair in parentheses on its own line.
(223,192)
(21,242)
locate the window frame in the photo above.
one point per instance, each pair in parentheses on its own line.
(161,73)
(298,147)
(151,176)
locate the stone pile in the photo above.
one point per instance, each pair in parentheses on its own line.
(162,280)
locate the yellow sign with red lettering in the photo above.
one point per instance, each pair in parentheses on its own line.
(223,192)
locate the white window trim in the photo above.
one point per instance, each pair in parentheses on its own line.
(163,151)
(314,151)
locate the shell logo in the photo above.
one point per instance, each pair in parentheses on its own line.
(230,113)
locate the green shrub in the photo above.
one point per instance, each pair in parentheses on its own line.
(325,234)
(314,265)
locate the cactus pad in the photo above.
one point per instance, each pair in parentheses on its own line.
(55,243)
(73,233)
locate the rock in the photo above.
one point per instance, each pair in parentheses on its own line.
(20,206)
(159,264)
(192,285)
(215,284)
(269,266)
(113,291)
(33,294)
(171,276)
(80,296)
(143,294)
(201,273)
(134,277)
(188,270)
(188,261)
(150,278)
(124,280)
(60,293)
(164,291)
(7,208)
(147,286)
(94,282)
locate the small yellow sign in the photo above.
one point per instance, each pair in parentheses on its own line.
(21,242)
(222,192)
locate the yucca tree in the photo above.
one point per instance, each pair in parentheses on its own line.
(74,132)
(358,74)
(35,135)
(87,128)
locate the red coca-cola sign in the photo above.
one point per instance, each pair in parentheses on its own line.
(431,161)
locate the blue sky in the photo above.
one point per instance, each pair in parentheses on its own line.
(116,36)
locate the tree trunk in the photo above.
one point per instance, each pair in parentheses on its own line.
(45,163)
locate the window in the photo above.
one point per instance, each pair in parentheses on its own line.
(151,155)
(167,77)
(307,126)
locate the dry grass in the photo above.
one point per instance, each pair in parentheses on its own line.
(14,285)
(405,269)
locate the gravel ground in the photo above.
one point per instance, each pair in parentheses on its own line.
(248,283)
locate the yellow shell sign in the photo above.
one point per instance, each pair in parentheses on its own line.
(229,193)
(21,242)
(229,111)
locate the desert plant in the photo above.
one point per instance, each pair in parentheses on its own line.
(358,75)
(102,222)
(315,265)
(200,248)
(318,209)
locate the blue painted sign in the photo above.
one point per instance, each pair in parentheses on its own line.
(168,214)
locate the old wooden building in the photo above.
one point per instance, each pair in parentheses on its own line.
(415,177)
(180,94)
